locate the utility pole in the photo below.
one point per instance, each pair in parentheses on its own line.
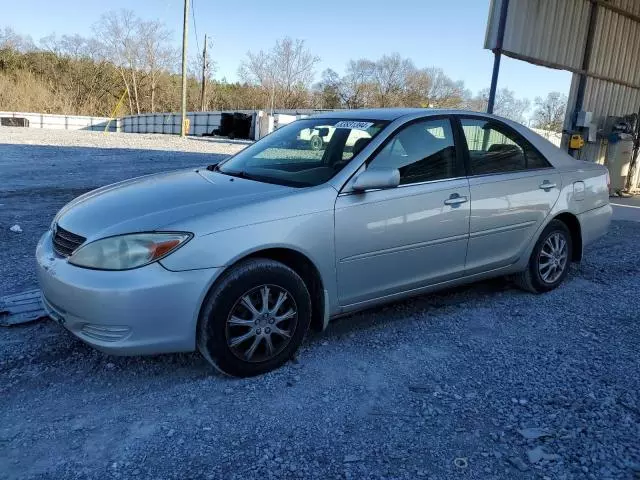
(273,95)
(183,107)
(203,93)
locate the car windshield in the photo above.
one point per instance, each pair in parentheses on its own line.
(304,153)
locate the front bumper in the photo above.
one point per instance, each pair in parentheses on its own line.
(147,310)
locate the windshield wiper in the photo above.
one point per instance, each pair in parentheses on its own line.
(231,173)
(258,178)
(216,168)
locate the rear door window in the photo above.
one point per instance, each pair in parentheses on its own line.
(495,148)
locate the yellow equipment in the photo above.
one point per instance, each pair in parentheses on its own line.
(576,142)
(115,111)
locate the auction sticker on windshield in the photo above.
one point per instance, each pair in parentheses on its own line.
(354,125)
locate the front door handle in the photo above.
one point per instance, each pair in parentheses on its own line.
(546,185)
(455,199)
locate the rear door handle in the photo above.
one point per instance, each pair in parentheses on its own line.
(547,185)
(455,199)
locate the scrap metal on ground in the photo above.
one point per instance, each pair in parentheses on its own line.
(21,308)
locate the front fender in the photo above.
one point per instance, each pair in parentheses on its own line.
(311,235)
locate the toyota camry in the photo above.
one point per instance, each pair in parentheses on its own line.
(240,259)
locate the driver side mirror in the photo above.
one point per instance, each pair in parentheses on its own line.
(377,178)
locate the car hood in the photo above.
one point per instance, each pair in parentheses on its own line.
(156,201)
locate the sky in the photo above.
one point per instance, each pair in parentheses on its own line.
(446,34)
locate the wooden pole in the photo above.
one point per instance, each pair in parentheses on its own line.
(203,92)
(183,107)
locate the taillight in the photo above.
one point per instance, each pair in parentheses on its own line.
(608,180)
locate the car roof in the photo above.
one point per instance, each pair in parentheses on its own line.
(390,113)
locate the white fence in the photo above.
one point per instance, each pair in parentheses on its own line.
(165,123)
(169,123)
(63,122)
(199,122)
(202,122)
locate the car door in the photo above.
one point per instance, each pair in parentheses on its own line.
(513,188)
(393,240)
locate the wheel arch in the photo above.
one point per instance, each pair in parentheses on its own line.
(573,224)
(299,263)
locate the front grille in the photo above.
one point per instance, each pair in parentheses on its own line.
(65,242)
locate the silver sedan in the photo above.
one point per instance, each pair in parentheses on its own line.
(239,260)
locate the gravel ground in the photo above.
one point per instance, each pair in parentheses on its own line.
(148,141)
(478,382)
(39,178)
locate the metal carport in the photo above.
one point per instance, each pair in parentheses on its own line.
(597,40)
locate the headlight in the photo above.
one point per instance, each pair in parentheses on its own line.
(125,252)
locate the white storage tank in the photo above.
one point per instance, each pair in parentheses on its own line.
(619,155)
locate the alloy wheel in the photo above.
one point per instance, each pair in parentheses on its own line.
(316,142)
(261,323)
(552,260)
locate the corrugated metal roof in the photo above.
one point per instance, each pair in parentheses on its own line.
(547,32)
(616,46)
(553,33)
(606,98)
(631,6)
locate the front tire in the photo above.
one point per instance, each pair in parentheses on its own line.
(316,142)
(254,319)
(549,262)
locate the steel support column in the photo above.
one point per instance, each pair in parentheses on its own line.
(586,59)
(497,55)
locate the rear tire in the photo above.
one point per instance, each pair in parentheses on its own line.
(254,319)
(549,262)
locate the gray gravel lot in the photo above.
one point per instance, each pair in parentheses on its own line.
(140,141)
(478,382)
(38,178)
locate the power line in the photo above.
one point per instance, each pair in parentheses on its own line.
(195,30)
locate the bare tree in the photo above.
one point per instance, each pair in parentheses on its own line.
(506,104)
(357,89)
(444,92)
(328,90)
(10,39)
(80,70)
(390,76)
(119,34)
(72,46)
(393,81)
(196,70)
(158,54)
(294,68)
(550,111)
(417,88)
(286,72)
